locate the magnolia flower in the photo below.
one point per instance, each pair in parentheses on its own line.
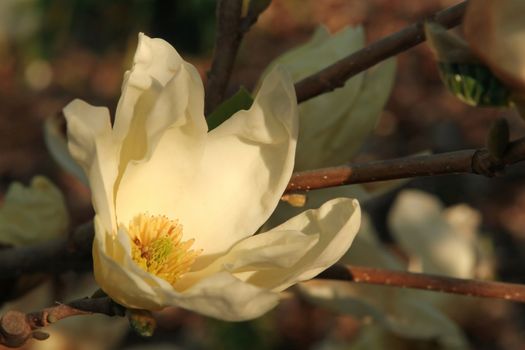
(177,207)
(32,214)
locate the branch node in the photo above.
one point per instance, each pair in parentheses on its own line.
(15,329)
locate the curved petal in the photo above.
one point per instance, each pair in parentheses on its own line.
(56,144)
(225,297)
(245,167)
(336,222)
(171,156)
(90,144)
(274,249)
(155,62)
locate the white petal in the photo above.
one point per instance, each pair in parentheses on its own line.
(90,144)
(225,297)
(172,152)
(155,63)
(246,166)
(274,249)
(336,222)
(56,144)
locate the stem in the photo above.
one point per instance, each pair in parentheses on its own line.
(473,161)
(335,75)
(403,279)
(227,44)
(57,255)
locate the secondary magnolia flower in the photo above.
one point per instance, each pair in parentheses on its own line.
(32,214)
(333,126)
(177,207)
(400,313)
(495,31)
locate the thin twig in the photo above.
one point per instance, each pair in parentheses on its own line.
(227,43)
(337,74)
(403,279)
(473,161)
(16,327)
(231,28)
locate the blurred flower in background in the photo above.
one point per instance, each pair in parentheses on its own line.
(33,214)
(447,242)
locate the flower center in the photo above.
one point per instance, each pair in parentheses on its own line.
(157,247)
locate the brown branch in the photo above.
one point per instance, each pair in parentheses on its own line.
(56,255)
(16,327)
(337,74)
(403,279)
(227,44)
(67,254)
(474,161)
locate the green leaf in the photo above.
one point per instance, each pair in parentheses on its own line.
(241,100)
(474,84)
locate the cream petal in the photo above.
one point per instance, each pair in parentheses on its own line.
(56,144)
(155,62)
(171,155)
(336,222)
(225,297)
(245,167)
(275,249)
(90,144)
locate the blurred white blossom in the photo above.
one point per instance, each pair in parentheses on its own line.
(436,240)
(33,214)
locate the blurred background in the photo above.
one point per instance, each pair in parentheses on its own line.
(52,51)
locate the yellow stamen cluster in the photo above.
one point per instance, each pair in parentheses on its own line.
(157,247)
